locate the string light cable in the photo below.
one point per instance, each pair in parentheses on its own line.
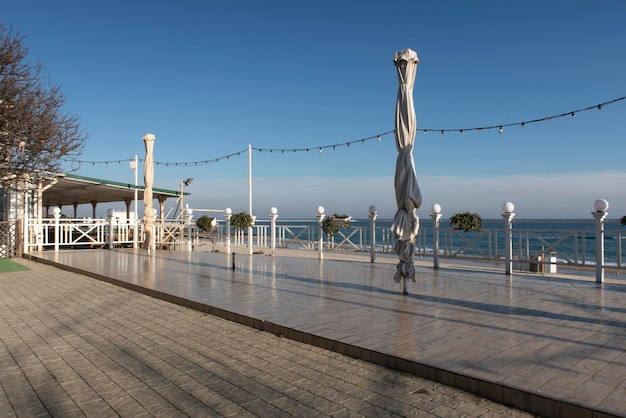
(320,148)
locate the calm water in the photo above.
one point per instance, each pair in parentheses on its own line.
(573,241)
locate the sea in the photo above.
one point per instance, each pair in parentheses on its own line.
(564,241)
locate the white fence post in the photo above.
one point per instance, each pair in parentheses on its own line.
(57,214)
(600,214)
(508,216)
(373,213)
(436,216)
(320,218)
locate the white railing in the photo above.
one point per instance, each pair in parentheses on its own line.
(532,247)
(65,233)
(537,249)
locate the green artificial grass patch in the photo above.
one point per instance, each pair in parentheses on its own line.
(7,265)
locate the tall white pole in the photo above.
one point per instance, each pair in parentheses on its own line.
(436,216)
(508,215)
(135,228)
(600,214)
(250,195)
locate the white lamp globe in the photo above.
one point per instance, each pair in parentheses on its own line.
(57,210)
(436,208)
(189,211)
(372,209)
(228,211)
(273,210)
(508,207)
(600,205)
(109,212)
(320,210)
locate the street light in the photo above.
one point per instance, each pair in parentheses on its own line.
(508,215)
(183,184)
(320,219)
(133,166)
(228,212)
(373,213)
(435,214)
(600,206)
(273,216)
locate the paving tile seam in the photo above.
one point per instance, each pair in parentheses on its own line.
(342,348)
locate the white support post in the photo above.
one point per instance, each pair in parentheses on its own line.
(250,197)
(134,165)
(189,238)
(110,216)
(373,213)
(228,212)
(600,214)
(273,216)
(436,217)
(508,215)
(320,219)
(57,214)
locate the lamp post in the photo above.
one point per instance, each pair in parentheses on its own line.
(600,214)
(320,218)
(436,217)
(228,212)
(273,216)
(183,184)
(133,165)
(373,214)
(110,214)
(57,214)
(508,215)
(189,240)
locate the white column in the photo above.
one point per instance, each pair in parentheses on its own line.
(57,214)
(134,165)
(600,214)
(436,216)
(189,240)
(250,197)
(508,216)
(373,213)
(273,216)
(110,216)
(228,212)
(320,218)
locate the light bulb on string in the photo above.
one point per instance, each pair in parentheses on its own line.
(378,138)
(500,130)
(320,150)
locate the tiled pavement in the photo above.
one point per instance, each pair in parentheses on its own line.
(73,346)
(553,346)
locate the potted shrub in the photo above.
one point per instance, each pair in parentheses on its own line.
(466,221)
(331,224)
(206,223)
(241,220)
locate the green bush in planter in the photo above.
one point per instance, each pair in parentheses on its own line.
(205,223)
(466,221)
(241,220)
(329,226)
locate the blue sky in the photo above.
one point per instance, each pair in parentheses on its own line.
(208,78)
